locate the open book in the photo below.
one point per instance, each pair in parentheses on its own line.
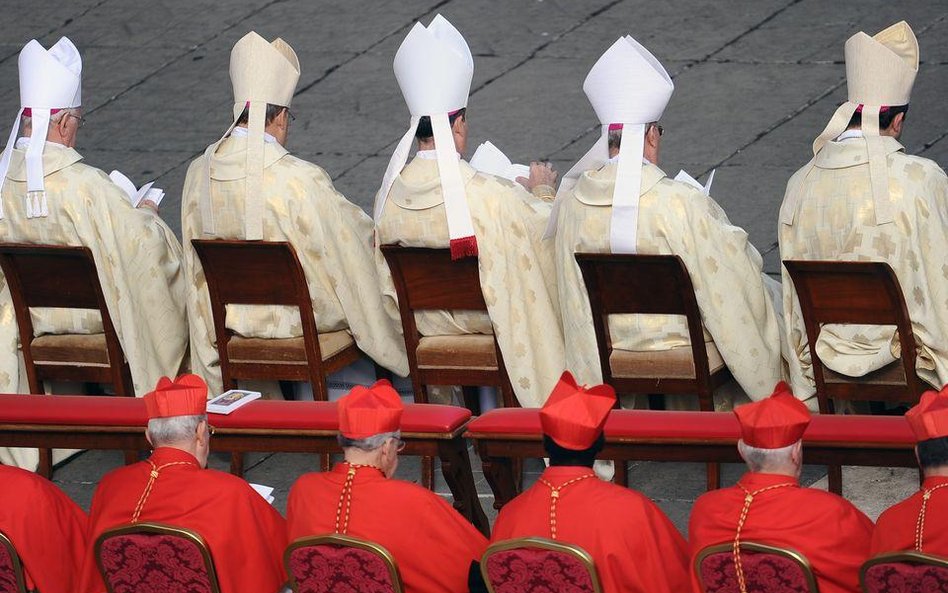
(137,195)
(489,159)
(686,178)
(231,400)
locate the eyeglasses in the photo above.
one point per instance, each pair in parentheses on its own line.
(400,445)
(211,430)
(661,130)
(290,113)
(81,119)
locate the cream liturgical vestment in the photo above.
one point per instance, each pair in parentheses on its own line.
(137,257)
(516,268)
(734,297)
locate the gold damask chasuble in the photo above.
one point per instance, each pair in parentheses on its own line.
(332,237)
(735,298)
(831,217)
(137,257)
(516,268)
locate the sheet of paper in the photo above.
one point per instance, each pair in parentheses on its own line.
(686,178)
(137,195)
(265,491)
(490,159)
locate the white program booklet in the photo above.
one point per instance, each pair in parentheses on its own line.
(229,401)
(490,159)
(137,195)
(265,491)
(686,178)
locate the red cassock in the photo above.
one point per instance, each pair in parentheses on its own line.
(246,536)
(633,544)
(47,529)
(432,543)
(831,532)
(896,528)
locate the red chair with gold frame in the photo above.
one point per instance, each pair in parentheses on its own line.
(132,555)
(904,572)
(767,569)
(538,564)
(327,563)
(12,579)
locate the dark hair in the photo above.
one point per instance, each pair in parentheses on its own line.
(424,131)
(562,456)
(272,112)
(933,453)
(885,117)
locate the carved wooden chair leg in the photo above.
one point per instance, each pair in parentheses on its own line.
(45,468)
(427,472)
(325,462)
(714,476)
(621,477)
(237,464)
(834,476)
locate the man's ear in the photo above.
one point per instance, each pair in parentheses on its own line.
(203,432)
(652,136)
(917,460)
(896,125)
(456,126)
(796,454)
(148,438)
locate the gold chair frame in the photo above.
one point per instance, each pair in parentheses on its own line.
(349,542)
(751,546)
(17,565)
(544,544)
(161,529)
(910,557)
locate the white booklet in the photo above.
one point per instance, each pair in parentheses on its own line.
(490,159)
(229,401)
(137,195)
(686,178)
(265,491)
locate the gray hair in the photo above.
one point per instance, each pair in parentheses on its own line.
(174,429)
(615,139)
(369,443)
(760,460)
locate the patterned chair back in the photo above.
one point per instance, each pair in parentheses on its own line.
(11,571)
(333,563)
(906,572)
(767,569)
(537,564)
(155,558)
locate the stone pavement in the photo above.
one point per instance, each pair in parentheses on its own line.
(756,81)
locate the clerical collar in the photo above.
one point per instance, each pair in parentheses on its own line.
(615,159)
(241,132)
(849,134)
(430,155)
(24,143)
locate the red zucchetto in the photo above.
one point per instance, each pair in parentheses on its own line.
(368,411)
(185,396)
(773,423)
(573,416)
(929,417)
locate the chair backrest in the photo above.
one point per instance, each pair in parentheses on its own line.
(538,564)
(12,579)
(767,569)
(133,555)
(904,572)
(866,293)
(640,284)
(328,563)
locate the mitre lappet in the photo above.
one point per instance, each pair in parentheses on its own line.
(628,89)
(434,68)
(262,72)
(50,81)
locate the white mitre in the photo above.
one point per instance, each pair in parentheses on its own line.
(434,68)
(262,72)
(50,80)
(880,72)
(626,86)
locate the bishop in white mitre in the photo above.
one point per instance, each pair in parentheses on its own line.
(248,186)
(438,200)
(49,196)
(862,198)
(616,199)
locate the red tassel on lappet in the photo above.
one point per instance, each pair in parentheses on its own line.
(464,247)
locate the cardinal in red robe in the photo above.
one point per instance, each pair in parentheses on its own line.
(47,530)
(433,545)
(634,546)
(918,522)
(245,535)
(768,506)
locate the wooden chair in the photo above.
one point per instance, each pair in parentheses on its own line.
(268,273)
(767,569)
(865,293)
(428,279)
(327,563)
(12,579)
(538,564)
(141,554)
(63,277)
(652,285)
(904,572)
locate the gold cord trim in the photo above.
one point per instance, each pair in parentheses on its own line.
(748,499)
(345,497)
(920,524)
(555,496)
(152,476)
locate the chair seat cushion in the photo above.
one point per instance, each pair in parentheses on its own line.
(75,349)
(469,351)
(906,576)
(891,374)
(764,573)
(676,363)
(285,350)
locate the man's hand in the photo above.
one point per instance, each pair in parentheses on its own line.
(150,205)
(540,174)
